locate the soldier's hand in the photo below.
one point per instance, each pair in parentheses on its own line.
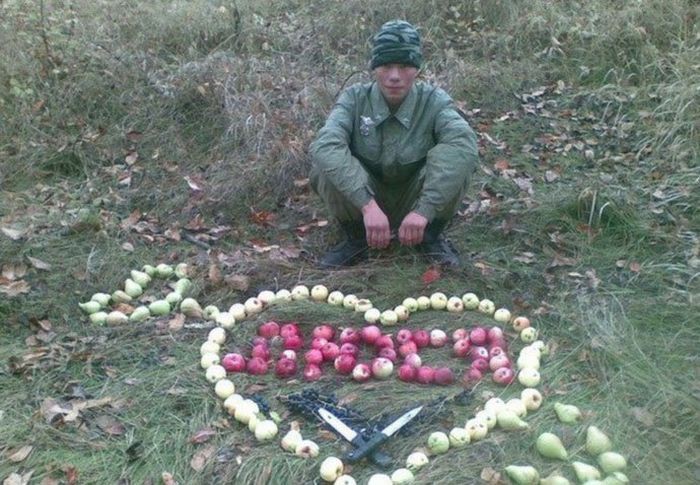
(412,229)
(376,225)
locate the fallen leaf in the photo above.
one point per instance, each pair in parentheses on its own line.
(195,185)
(215,274)
(643,416)
(262,218)
(176,322)
(130,221)
(168,479)
(560,260)
(131,158)
(39,264)
(13,271)
(491,476)
(127,246)
(431,275)
(501,165)
(551,175)
(13,234)
(49,481)
(238,282)
(201,457)
(71,474)
(202,436)
(21,454)
(15,288)
(110,425)
(525,257)
(17,479)
(635,267)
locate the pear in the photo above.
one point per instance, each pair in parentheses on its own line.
(610,462)
(585,472)
(120,297)
(510,421)
(116,318)
(98,318)
(132,288)
(163,270)
(567,413)
(617,478)
(140,314)
(596,441)
(550,446)
(182,285)
(191,308)
(101,298)
(90,307)
(159,307)
(523,475)
(149,270)
(555,480)
(140,277)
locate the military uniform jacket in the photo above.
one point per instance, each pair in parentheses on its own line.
(425,133)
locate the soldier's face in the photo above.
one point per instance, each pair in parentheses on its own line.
(395,81)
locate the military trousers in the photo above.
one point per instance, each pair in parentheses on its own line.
(396,200)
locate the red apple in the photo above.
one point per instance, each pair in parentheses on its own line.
(421,338)
(478,353)
(256,366)
(494,351)
(269,329)
(293,342)
(503,376)
(499,361)
(289,329)
(409,347)
(348,348)
(344,363)
(404,335)
(370,334)
(313,356)
(258,340)
(350,335)
(444,376)
(261,352)
(387,353)
(288,354)
(495,333)
(323,331)
(472,376)
(425,374)
(407,373)
(318,342)
(233,363)
(285,367)
(461,347)
(438,338)
(312,372)
(478,335)
(384,341)
(330,351)
(480,364)
(413,360)
(361,373)
(459,334)
(382,368)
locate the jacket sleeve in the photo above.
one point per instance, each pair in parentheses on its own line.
(330,152)
(449,164)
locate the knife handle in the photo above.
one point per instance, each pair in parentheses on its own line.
(365,448)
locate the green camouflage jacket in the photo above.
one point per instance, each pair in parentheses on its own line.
(426,131)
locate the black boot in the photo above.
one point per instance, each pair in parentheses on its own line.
(349,252)
(436,248)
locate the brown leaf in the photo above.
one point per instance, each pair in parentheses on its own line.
(201,457)
(635,267)
(238,282)
(525,257)
(550,175)
(21,454)
(168,479)
(15,288)
(491,476)
(71,474)
(130,221)
(202,436)
(643,416)
(215,274)
(49,481)
(131,157)
(177,322)
(193,182)
(262,218)
(501,165)
(12,272)
(127,246)
(431,275)
(560,260)
(39,264)
(110,425)
(134,135)
(14,234)
(17,479)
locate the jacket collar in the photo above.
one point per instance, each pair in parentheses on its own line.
(380,110)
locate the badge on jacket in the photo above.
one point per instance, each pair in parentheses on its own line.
(366,123)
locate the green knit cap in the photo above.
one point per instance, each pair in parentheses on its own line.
(397,42)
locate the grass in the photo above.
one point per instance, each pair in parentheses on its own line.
(603,256)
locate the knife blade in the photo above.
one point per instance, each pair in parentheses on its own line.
(356,439)
(378,438)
